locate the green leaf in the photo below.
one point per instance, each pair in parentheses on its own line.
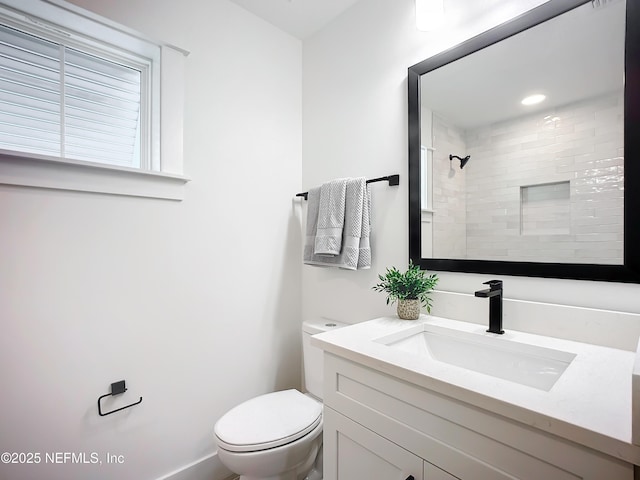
(412,284)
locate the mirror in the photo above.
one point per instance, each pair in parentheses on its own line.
(501,183)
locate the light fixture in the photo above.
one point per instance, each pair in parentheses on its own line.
(429,14)
(533,99)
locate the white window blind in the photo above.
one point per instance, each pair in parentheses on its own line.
(81,99)
(56,100)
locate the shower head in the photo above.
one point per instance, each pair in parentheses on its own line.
(463,161)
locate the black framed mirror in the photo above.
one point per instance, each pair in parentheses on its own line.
(552,189)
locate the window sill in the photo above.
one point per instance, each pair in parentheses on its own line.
(63,174)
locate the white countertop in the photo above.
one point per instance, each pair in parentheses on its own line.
(590,404)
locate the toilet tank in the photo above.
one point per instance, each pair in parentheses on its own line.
(312,356)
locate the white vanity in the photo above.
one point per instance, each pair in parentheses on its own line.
(438,399)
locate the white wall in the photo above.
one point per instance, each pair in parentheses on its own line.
(355,123)
(196,304)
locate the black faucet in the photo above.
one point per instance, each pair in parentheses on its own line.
(494,294)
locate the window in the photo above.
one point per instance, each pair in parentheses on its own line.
(80,96)
(59,101)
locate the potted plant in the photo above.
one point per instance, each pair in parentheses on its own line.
(410,289)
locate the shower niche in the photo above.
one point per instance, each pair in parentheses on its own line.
(546,210)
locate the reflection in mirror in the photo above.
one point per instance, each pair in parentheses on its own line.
(521,145)
(544,181)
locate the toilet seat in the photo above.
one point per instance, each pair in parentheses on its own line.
(268,421)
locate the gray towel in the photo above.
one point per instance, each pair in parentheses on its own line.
(313,205)
(356,252)
(364,255)
(331,217)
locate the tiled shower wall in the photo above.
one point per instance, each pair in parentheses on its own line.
(581,144)
(449,204)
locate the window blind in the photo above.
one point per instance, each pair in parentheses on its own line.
(57,100)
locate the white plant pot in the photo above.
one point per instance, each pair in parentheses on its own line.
(409,309)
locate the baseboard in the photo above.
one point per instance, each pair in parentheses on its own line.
(205,468)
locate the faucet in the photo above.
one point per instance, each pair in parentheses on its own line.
(494,294)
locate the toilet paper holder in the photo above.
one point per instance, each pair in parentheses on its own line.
(117,388)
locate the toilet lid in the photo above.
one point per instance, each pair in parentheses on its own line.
(268,421)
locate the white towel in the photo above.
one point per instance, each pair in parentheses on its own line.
(331,217)
(355,252)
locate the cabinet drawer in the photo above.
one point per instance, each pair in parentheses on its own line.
(466,441)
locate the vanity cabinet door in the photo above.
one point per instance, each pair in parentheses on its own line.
(352,451)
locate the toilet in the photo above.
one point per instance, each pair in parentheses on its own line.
(278,436)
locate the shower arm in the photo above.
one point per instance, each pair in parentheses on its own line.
(463,161)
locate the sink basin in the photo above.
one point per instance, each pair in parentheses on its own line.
(531,365)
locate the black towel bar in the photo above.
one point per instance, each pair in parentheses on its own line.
(392,179)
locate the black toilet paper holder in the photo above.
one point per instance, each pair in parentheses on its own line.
(117,388)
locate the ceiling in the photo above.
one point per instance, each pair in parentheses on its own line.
(575,56)
(303,18)
(300,18)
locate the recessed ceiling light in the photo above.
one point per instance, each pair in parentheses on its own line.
(533,99)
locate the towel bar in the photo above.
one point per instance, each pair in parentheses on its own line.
(392,179)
